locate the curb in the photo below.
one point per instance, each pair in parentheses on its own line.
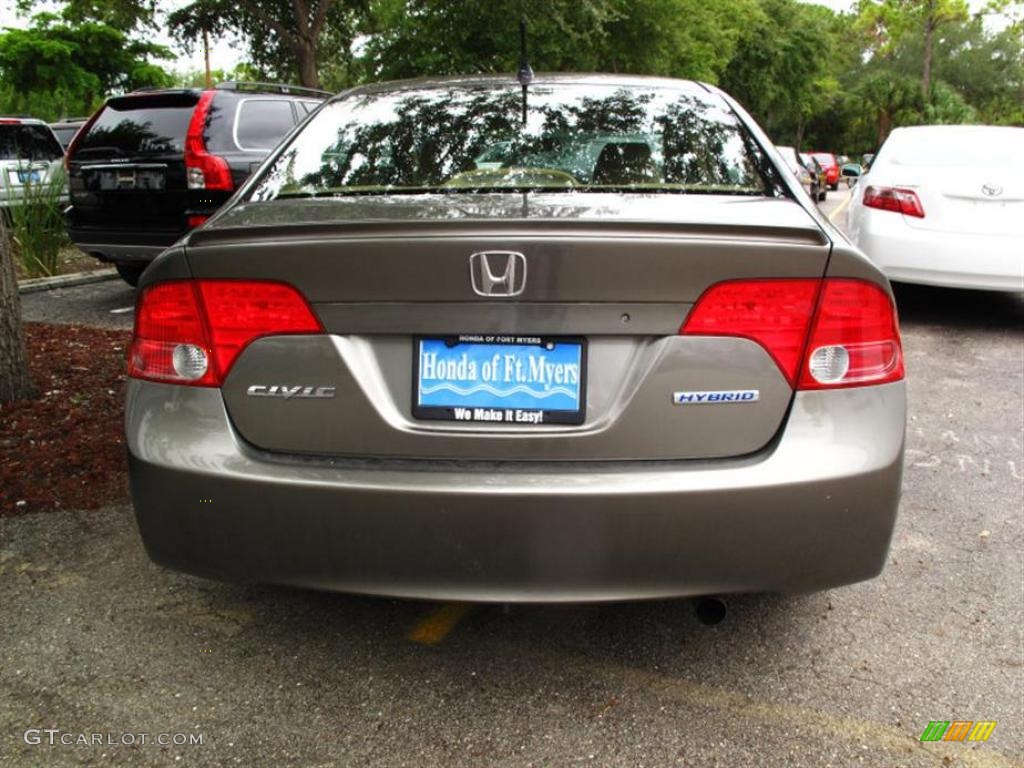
(65,281)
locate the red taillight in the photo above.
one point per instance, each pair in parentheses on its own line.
(855,338)
(821,333)
(896,199)
(191,331)
(203,170)
(774,313)
(195,221)
(77,138)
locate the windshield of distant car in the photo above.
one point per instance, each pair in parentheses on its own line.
(20,141)
(998,148)
(469,138)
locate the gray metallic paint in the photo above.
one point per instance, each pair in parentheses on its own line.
(630,414)
(808,501)
(814,510)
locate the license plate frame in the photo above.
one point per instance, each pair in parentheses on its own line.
(514,412)
(29,176)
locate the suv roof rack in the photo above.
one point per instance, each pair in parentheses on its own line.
(242,85)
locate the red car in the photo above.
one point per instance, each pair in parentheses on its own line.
(831,167)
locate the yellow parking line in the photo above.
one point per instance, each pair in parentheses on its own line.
(841,208)
(436,625)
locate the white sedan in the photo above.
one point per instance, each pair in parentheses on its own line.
(944,205)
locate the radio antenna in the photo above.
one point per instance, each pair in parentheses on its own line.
(525,75)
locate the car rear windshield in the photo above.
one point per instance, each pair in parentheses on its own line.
(139,125)
(577,137)
(28,142)
(995,148)
(64,133)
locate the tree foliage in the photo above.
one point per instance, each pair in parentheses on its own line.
(59,68)
(285,37)
(809,75)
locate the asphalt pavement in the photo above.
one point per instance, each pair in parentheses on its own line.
(97,640)
(107,304)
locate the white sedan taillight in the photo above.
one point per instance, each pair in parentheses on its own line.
(895,199)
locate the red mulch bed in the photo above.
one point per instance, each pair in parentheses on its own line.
(65,448)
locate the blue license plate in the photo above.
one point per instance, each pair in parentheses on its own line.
(521,380)
(30,177)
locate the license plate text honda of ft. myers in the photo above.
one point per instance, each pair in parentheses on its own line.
(459,339)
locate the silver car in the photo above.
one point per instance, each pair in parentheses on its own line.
(29,155)
(381,369)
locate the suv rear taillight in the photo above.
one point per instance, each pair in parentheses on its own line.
(822,334)
(77,138)
(896,199)
(203,170)
(191,331)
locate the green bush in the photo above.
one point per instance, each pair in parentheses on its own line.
(37,225)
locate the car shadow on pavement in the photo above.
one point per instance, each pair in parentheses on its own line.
(761,637)
(958,308)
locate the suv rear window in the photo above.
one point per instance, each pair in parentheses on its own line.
(140,125)
(578,137)
(28,142)
(262,123)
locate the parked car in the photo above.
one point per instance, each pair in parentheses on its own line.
(820,177)
(153,164)
(829,162)
(367,374)
(66,129)
(806,170)
(29,153)
(944,205)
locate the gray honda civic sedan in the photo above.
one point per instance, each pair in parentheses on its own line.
(586,340)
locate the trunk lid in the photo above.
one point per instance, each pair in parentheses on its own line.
(975,201)
(614,274)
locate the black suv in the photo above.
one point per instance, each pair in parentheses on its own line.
(153,164)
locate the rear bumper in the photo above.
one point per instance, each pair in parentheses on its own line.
(815,510)
(948,259)
(121,245)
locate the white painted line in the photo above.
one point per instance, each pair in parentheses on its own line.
(122,310)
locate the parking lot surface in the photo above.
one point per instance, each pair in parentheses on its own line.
(107,304)
(96,639)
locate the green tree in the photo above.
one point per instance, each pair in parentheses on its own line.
(782,70)
(695,39)
(410,38)
(677,38)
(127,15)
(284,37)
(55,68)
(892,22)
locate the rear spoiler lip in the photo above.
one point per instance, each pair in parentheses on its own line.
(387,229)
